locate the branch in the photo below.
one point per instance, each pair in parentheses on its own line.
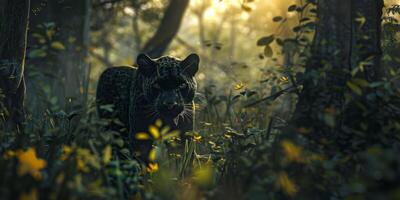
(167,29)
(272,97)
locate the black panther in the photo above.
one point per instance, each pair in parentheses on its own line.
(161,88)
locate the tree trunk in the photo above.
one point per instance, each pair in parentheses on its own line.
(13,36)
(338,48)
(67,64)
(167,29)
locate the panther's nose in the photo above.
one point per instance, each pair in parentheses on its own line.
(170,105)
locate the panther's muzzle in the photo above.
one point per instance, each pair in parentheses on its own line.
(169,106)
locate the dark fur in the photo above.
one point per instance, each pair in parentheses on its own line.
(163,89)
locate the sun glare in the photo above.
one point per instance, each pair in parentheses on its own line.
(221,5)
(218,7)
(129,11)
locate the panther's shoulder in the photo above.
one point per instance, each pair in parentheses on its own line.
(118,72)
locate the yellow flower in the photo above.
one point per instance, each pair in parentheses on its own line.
(154,132)
(142,136)
(153,155)
(197,137)
(107,154)
(152,167)
(81,165)
(239,86)
(84,159)
(29,163)
(284,79)
(33,195)
(291,151)
(67,150)
(286,185)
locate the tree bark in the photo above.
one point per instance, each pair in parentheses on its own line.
(338,48)
(167,29)
(13,38)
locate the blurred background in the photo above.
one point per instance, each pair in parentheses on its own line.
(282,114)
(71,43)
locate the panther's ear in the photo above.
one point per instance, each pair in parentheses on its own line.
(190,65)
(146,65)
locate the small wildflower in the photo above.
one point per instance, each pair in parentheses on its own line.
(284,79)
(152,167)
(67,150)
(85,157)
(81,165)
(29,163)
(142,136)
(107,154)
(154,132)
(153,155)
(286,185)
(291,151)
(239,86)
(197,137)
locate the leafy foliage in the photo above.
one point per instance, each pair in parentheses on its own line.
(243,146)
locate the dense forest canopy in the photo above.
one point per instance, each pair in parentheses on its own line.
(295,99)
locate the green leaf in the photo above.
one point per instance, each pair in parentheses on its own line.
(57,45)
(360,82)
(304,19)
(355,88)
(292,8)
(265,40)
(296,29)
(246,8)
(277,19)
(37,53)
(329,120)
(268,51)
(310,25)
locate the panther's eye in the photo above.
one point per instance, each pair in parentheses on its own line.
(156,86)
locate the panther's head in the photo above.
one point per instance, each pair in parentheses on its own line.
(168,83)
